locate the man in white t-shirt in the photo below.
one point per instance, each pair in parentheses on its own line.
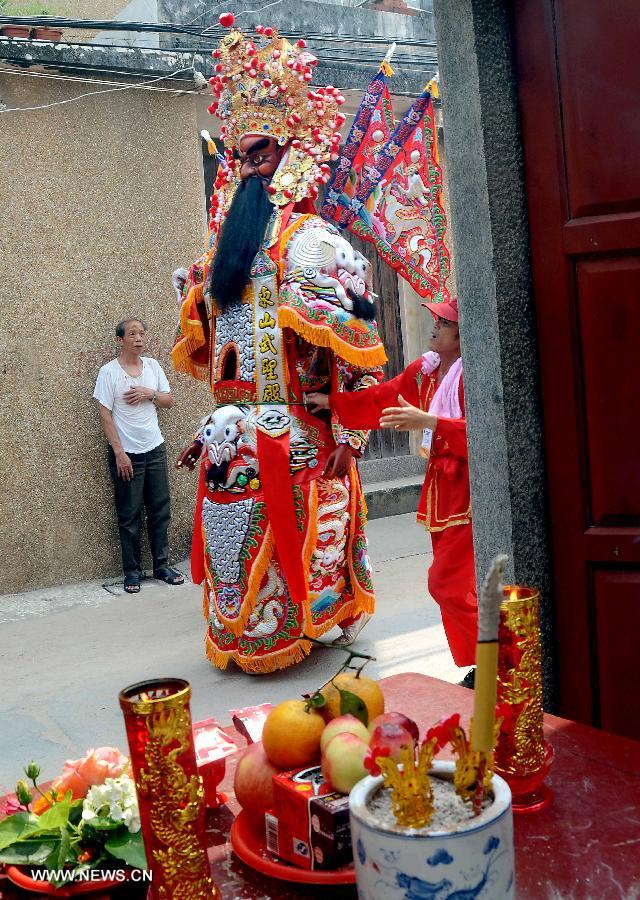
(129,390)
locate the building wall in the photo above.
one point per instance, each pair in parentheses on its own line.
(308,17)
(135,11)
(499,341)
(100,200)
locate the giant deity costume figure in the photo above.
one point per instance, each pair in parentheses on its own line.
(279,305)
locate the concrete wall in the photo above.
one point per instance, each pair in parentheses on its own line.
(135,11)
(100,200)
(307,16)
(491,244)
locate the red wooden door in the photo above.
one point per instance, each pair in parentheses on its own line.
(578,64)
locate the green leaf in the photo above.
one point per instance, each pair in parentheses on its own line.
(51,862)
(25,827)
(63,850)
(14,827)
(351,704)
(75,812)
(102,824)
(316,701)
(57,816)
(129,848)
(34,851)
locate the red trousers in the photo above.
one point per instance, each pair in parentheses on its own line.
(452,584)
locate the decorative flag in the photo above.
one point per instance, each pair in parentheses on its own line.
(391,194)
(406,222)
(372,127)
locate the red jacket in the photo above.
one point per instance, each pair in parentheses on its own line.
(445,498)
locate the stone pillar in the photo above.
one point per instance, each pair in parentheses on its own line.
(491,247)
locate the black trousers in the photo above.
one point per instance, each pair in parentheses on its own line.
(149,488)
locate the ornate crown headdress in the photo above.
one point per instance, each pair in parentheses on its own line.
(263,87)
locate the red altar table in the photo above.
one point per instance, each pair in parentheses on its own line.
(584,846)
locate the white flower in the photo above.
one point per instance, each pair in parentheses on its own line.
(132,820)
(116,800)
(116,813)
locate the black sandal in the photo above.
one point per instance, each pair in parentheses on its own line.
(132,584)
(168,575)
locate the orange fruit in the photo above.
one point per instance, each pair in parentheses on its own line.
(366,688)
(291,734)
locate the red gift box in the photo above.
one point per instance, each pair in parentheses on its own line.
(309,822)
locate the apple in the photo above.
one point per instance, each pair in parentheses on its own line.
(253,781)
(343,761)
(393,736)
(342,725)
(398,719)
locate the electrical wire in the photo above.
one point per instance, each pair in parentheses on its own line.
(365,57)
(109,71)
(408,63)
(248,12)
(99,69)
(206,10)
(113,90)
(341,38)
(421,62)
(175,28)
(360,54)
(145,86)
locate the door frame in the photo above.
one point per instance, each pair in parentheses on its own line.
(553,251)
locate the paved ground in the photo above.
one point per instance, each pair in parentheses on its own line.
(65,653)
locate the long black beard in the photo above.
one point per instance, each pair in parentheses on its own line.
(240,239)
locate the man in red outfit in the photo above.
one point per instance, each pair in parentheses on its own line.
(429,396)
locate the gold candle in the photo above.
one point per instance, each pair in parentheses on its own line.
(522,757)
(170,793)
(485,691)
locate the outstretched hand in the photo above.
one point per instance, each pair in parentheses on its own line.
(316,401)
(189,456)
(339,462)
(406,417)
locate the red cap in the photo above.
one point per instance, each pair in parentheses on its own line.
(444,310)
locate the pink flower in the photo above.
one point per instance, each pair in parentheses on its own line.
(12,805)
(79,775)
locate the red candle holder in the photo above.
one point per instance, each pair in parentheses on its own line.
(523,757)
(170,793)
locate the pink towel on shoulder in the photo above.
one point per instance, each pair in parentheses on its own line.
(446,400)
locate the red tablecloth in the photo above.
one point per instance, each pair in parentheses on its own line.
(584,846)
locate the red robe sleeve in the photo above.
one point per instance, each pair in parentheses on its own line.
(362,409)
